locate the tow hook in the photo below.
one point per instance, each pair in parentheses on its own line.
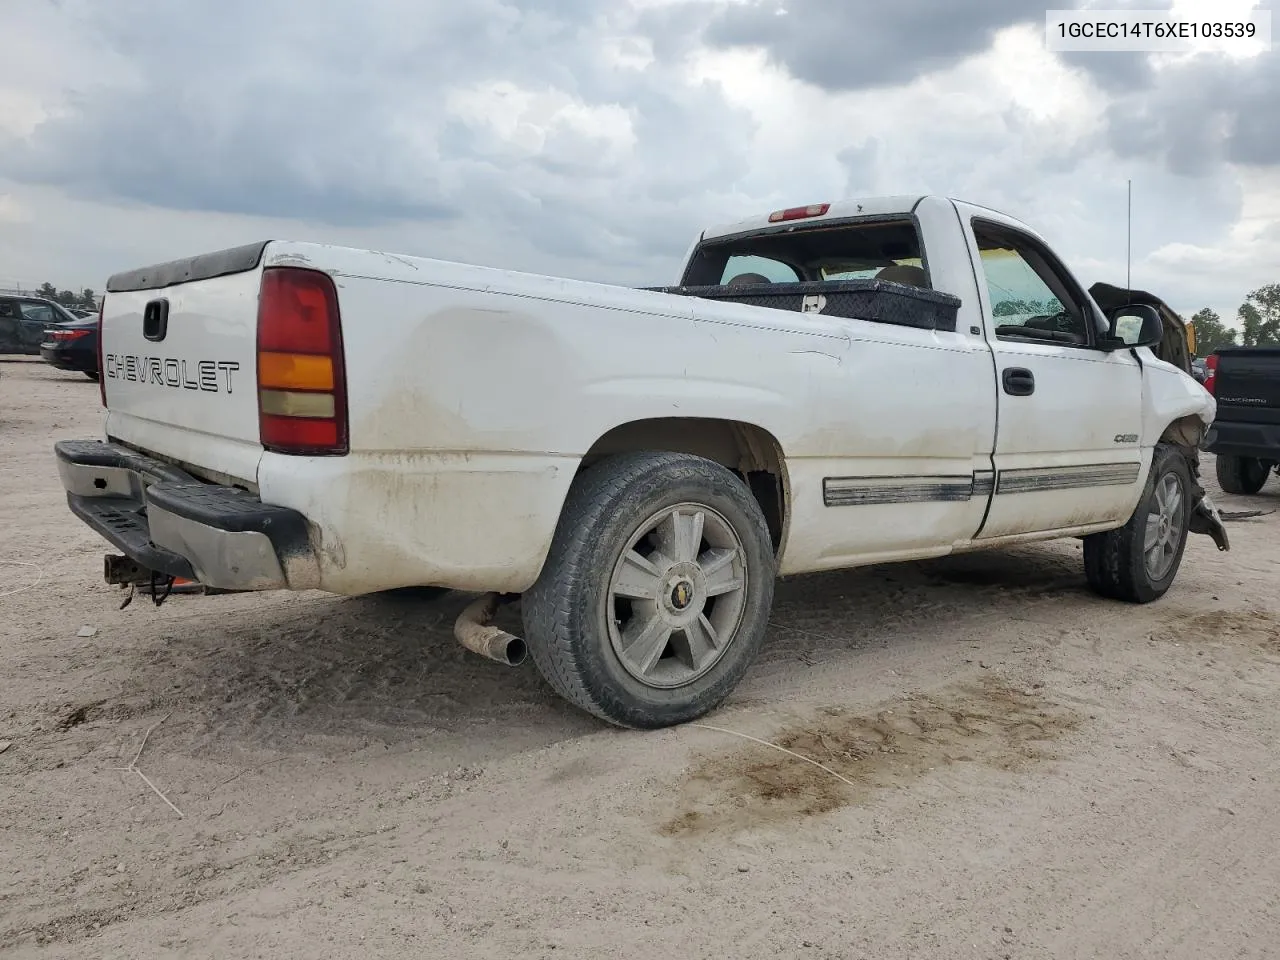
(134,577)
(1206,519)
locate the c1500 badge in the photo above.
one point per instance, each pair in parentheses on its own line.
(211,376)
(1126,438)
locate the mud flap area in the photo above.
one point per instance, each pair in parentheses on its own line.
(1205,517)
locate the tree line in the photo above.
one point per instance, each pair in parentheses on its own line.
(1258,317)
(86,299)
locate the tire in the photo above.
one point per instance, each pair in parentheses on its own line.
(91,374)
(1241,475)
(1115,562)
(580,626)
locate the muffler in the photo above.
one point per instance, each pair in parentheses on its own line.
(474,630)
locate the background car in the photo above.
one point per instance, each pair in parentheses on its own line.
(1199,370)
(24,320)
(73,346)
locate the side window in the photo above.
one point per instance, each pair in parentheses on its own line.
(753,268)
(1030,300)
(39,312)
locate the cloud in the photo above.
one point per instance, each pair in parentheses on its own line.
(839,46)
(1201,112)
(511,114)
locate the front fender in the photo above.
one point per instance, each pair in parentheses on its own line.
(1171,397)
(1177,409)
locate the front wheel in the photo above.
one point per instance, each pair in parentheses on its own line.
(1241,475)
(655,596)
(1138,562)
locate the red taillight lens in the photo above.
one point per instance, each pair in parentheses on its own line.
(63,336)
(302,397)
(102,373)
(1211,367)
(799,213)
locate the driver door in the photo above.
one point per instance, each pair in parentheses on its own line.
(10,327)
(36,319)
(1068,448)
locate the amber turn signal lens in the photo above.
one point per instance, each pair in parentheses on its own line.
(294,371)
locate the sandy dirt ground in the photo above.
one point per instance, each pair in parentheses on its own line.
(1031,772)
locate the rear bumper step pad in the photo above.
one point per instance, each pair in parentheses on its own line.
(166,520)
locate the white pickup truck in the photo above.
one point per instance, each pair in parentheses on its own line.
(830,386)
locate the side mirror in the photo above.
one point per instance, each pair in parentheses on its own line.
(1133,325)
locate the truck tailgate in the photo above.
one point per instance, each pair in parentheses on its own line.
(179,356)
(1247,384)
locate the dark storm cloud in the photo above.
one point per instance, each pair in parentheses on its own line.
(841,45)
(341,114)
(1203,112)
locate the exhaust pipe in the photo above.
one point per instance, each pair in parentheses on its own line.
(474,630)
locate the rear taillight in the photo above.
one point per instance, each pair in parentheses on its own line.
(302,397)
(1211,371)
(102,373)
(799,213)
(64,336)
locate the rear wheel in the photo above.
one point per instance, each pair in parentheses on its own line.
(1138,562)
(91,374)
(655,596)
(1242,475)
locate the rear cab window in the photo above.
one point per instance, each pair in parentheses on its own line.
(884,249)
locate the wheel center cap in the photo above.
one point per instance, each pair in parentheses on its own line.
(681,594)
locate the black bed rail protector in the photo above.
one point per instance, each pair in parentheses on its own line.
(206,266)
(879,301)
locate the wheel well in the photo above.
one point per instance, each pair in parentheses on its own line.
(1185,432)
(751,452)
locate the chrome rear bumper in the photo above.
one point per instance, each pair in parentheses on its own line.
(168,521)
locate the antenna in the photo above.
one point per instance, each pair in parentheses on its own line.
(1128,255)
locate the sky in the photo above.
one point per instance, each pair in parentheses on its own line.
(593,139)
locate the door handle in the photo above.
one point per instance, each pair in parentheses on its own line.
(1018,381)
(155,320)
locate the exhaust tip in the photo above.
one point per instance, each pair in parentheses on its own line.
(516,651)
(474,630)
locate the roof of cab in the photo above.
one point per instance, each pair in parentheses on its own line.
(897,205)
(839,210)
